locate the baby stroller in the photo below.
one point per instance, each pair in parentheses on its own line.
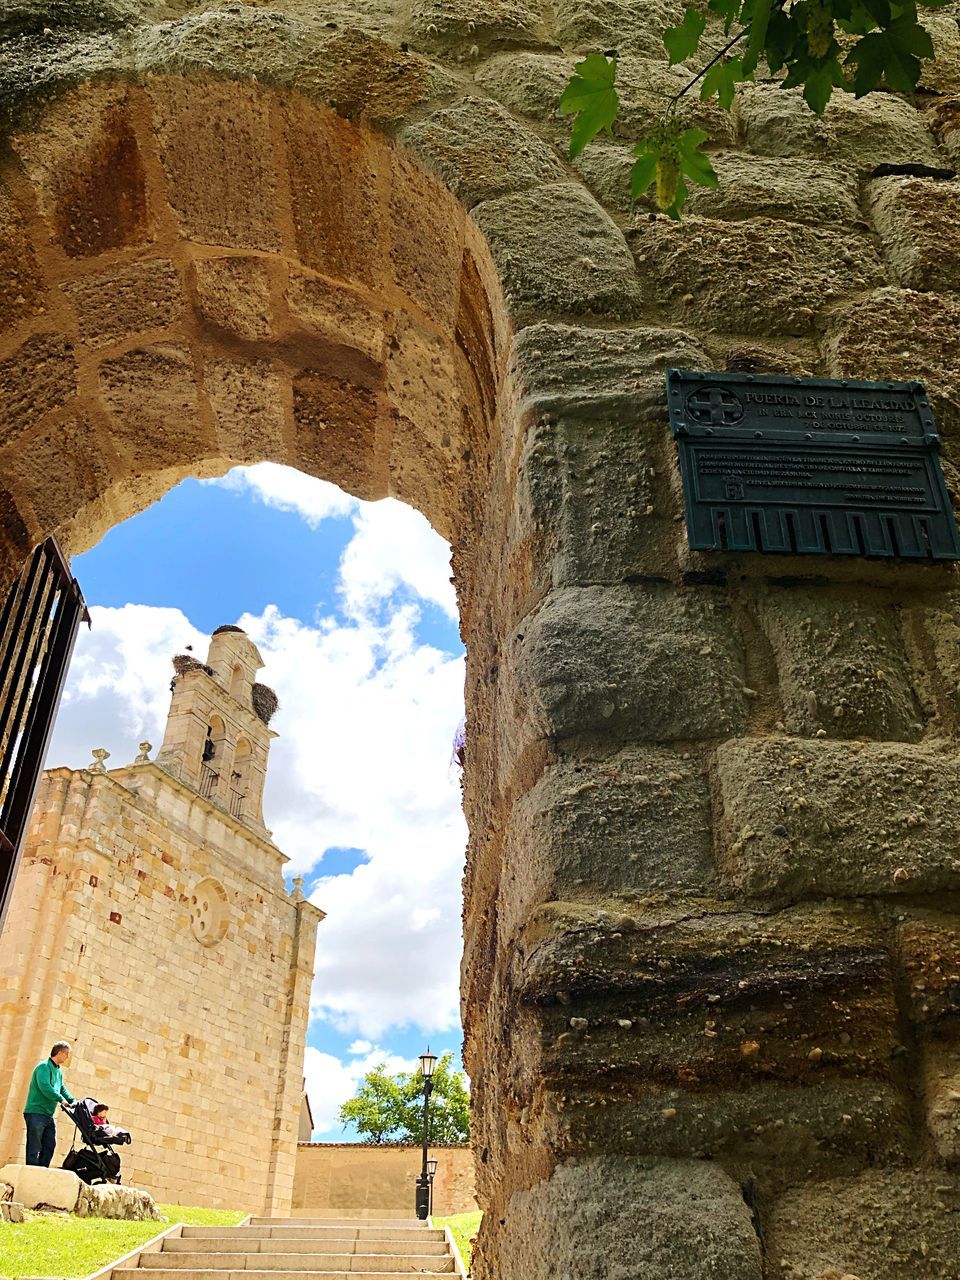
(95,1161)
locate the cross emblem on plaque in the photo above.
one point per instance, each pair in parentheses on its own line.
(715,405)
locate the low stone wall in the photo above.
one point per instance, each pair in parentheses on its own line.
(33,1187)
(340,1175)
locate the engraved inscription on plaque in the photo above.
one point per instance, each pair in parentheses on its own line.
(793,465)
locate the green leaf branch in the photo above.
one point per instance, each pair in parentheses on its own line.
(797,39)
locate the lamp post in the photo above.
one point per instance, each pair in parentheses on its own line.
(428,1062)
(431,1173)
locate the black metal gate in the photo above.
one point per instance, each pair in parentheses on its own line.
(38,627)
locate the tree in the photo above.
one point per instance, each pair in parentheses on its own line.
(376,1108)
(853,46)
(389,1108)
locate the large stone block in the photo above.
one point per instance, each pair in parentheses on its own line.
(335,423)
(248,398)
(125,1203)
(239,41)
(761,276)
(900,336)
(40,376)
(559,254)
(677,1026)
(116,304)
(928,947)
(38,17)
(334,194)
(791,190)
(151,396)
(933,641)
(531,84)
(862,132)
(632,663)
(234,201)
(896,1224)
(624,25)
(88,173)
(941,73)
(594,491)
(617,373)
(941,1095)
(594,502)
(943,118)
(480,151)
(426,253)
(819,818)
(21,281)
(368,79)
(634,822)
(55,469)
(918,221)
(462,27)
(337,313)
(33,1185)
(585,1221)
(842,667)
(233,295)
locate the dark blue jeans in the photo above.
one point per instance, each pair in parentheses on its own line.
(41,1138)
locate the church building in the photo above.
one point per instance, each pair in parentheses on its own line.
(150,927)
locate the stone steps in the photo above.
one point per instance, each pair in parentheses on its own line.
(176,1273)
(351,1232)
(297,1249)
(308,1244)
(405,1260)
(411,1224)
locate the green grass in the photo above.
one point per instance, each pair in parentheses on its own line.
(53,1244)
(464,1227)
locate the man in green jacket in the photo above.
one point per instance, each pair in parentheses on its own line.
(46,1093)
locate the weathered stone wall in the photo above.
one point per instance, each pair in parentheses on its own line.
(711,929)
(334,1179)
(196,1046)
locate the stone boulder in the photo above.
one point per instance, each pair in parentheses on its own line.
(112,1201)
(57,1188)
(60,1189)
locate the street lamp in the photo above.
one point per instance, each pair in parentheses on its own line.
(428,1062)
(431,1174)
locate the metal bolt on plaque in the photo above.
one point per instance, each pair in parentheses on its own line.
(810,466)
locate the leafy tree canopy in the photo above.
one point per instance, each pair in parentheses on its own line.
(389,1108)
(851,46)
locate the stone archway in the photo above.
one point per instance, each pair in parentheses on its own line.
(292,289)
(710,939)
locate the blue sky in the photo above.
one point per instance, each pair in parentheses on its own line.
(352,608)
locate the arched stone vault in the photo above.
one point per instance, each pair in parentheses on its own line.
(712,889)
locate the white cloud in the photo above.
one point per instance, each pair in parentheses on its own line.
(118,690)
(331,1082)
(394,546)
(367,716)
(288,490)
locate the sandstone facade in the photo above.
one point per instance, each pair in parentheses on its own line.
(151,928)
(335,1179)
(711,898)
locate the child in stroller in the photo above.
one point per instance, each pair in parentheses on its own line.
(95,1161)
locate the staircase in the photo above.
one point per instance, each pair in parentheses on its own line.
(296,1249)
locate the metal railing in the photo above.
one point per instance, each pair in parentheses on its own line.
(209,778)
(236,803)
(38,628)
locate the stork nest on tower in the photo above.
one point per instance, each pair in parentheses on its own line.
(184,662)
(265,702)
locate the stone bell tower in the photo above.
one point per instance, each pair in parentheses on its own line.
(217,737)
